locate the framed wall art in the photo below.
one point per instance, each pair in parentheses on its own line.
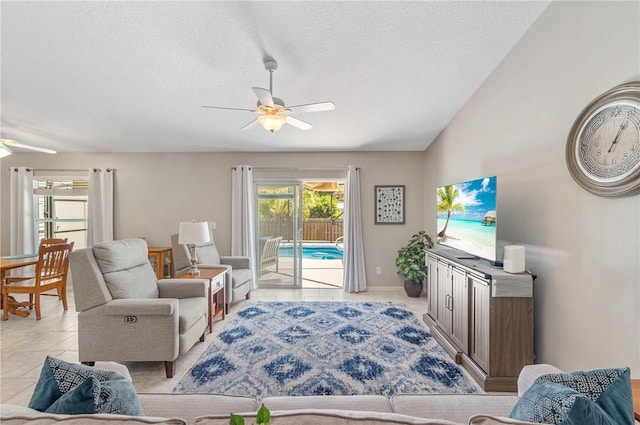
(389,208)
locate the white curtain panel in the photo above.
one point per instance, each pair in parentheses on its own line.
(21,215)
(100,220)
(243,225)
(355,279)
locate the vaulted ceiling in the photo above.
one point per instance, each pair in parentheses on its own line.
(132,76)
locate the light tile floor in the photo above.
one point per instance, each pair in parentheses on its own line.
(26,342)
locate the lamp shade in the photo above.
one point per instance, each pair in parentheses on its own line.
(271,122)
(194,233)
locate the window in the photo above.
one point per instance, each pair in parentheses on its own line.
(62,208)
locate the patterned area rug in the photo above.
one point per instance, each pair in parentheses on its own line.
(322,348)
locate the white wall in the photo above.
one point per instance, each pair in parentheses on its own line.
(154,192)
(585,249)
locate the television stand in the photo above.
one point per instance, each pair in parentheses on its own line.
(481,316)
(468,258)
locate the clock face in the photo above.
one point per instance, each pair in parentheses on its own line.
(603,147)
(608,147)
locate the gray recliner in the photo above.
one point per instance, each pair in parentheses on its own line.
(125,314)
(239,277)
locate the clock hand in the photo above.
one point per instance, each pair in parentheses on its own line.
(622,127)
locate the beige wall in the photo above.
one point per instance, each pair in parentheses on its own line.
(155,191)
(585,249)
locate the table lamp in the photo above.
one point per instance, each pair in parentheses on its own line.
(192,234)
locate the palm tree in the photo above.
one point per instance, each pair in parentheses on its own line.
(447,202)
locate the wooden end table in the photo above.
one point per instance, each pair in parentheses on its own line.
(216,278)
(157,255)
(635,387)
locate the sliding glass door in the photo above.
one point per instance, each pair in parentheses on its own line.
(279,233)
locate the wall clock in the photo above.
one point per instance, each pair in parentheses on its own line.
(603,147)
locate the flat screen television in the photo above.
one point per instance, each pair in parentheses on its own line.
(467,219)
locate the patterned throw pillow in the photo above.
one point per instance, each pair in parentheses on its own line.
(608,388)
(552,403)
(75,388)
(496,420)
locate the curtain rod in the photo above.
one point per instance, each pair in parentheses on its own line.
(73,170)
(297,169)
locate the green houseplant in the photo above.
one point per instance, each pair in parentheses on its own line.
(411,265)
(262,417)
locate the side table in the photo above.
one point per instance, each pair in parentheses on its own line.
(635,388)
(157,256)
(216,278)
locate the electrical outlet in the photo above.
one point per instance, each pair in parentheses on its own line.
(378,270)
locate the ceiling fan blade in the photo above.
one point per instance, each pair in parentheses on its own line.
(4,150)
(249,125)
(298,123)
(312,107)
(231,109)
(264,96)
(9,142)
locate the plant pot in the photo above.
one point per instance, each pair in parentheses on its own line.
(412,289)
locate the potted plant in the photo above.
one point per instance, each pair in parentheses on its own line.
(263,417)
(411,265)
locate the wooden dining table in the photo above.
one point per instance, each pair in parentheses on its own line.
(10,263)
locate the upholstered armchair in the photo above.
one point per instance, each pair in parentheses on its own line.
(239,277)
(125,314)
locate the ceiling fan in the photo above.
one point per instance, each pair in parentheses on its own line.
(272,111)
(6,151)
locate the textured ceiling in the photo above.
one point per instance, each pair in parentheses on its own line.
(132,76)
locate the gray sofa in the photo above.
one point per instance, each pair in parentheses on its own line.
(205,409)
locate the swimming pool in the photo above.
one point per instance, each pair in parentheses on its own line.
(313,251)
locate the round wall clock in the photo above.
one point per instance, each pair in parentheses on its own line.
(603,147)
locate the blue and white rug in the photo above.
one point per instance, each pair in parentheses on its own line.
(322,348)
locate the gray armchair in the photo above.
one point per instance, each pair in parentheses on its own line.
(125,314)
(239,277)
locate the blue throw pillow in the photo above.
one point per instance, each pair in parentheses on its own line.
(552,403)
(93,396)
(76,401)
(75,388)
(608,388)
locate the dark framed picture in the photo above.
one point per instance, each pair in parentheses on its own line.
(389,208)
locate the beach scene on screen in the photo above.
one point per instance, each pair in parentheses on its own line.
(466,217)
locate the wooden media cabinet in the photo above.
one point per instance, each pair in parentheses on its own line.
(481,315)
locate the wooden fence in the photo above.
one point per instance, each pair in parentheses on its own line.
(313,229)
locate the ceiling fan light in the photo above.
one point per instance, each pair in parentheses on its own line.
(4,151)
(271,122)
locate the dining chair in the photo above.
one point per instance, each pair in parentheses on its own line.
(51,273)
(53,241)
(43,242)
